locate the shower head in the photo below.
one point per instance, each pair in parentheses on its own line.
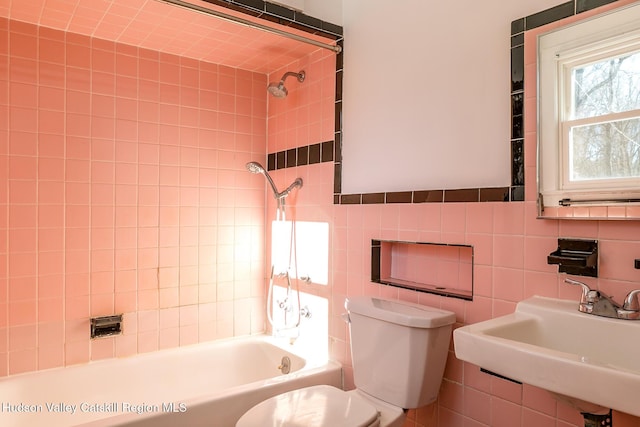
(278,90)
(255,167)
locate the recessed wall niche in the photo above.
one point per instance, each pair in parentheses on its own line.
(437,268)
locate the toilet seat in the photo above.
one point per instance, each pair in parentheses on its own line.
(316,406)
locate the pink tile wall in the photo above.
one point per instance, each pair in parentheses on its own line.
(510,250)
(123,190)
(306,115)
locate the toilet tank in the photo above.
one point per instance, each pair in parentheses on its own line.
(399,350)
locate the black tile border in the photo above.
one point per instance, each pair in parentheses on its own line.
(463,195)
(321,152)
(282,15)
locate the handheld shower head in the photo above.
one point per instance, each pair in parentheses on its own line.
(255,167)
(278,90)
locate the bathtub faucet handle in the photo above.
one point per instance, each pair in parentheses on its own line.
(305,312)
(285,305)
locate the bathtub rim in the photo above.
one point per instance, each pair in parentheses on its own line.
(325,369)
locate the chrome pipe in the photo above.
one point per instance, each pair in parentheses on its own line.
(251,24)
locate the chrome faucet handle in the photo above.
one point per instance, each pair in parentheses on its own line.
(588,295)
(631,302)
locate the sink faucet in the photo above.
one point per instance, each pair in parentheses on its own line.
(600,304)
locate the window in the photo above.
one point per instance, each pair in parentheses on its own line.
(589,99)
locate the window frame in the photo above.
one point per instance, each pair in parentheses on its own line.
(559,52)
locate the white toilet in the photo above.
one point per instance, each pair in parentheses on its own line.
(399,352)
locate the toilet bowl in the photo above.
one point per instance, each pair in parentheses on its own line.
(399,351)
(320,406)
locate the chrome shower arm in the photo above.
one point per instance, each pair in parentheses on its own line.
(294,184)
(300,76)
(273,185)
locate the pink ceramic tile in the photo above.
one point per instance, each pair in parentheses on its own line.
(22,215)
(77,308)
(50,286)
(77,352)
(102,282)
(539,283)
(579,229)
(22,240)
(22,192)
(505,413)
(535,419)
(126,345)
(539,400)
(618,260)
(148,299)
(103,348)
(569,415)
(508,251)
(22,312)
(125,302)
(478,311)
(625,420)
(50,263)
(50,356)
(22,264)
(21,361)
(477,405)
(77,262)
(536,251)
(22,143)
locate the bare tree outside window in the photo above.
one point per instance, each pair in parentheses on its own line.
(608,145)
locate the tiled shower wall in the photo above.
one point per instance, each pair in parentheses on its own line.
(123,190)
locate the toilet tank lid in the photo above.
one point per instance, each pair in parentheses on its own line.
(401,313)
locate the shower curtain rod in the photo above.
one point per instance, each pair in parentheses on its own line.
(246,22)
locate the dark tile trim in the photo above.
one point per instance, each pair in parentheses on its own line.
(428,196)
(314,154)
(399,197)
(351,199)
(322,152)
(584,5)
(373,198)
(282,15)
(552,14)
(376,255)
(498,194)
(461,196)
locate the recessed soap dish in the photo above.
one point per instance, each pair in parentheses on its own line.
(106,326)
(577,257)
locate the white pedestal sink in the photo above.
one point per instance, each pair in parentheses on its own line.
(548,343)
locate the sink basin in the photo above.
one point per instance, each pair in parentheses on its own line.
(548,343)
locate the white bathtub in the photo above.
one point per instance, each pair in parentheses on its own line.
(209,384)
